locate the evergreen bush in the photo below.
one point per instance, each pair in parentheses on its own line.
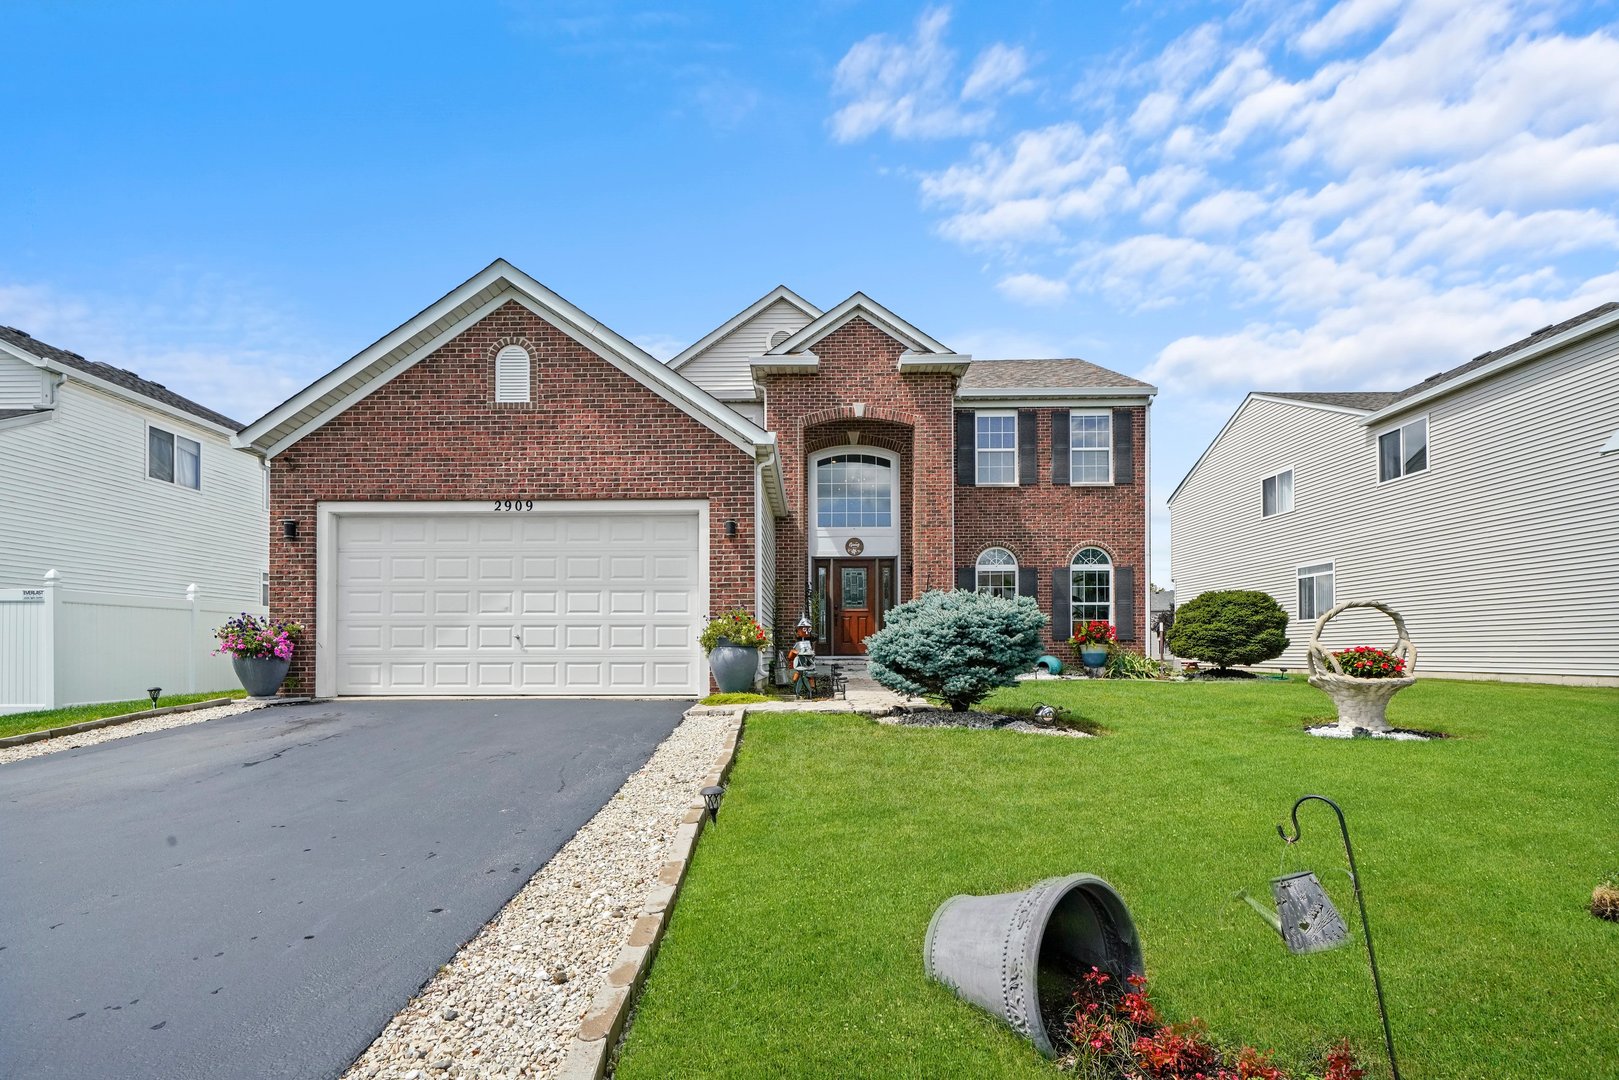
(957,646)
(1229,627)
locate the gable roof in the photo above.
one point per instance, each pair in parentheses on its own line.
(497,284)
(922,352)
(1367,402)
(780,292)
(126,384)
(1046,378)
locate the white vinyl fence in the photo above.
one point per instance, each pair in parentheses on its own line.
(59,647)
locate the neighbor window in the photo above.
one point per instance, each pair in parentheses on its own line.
(1091,590)
(1403,450)
(512,374)
(854,491)
(1090,448)
(997,573)
(173,458)
(1315,590)
(264,589)
(1277,493)
(997,447)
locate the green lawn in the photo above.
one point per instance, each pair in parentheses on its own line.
(21,723)
(795,950)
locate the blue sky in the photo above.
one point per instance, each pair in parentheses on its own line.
(232,199)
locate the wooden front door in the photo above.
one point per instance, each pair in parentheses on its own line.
(854,604)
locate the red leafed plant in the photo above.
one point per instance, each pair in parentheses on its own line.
(1365,662)
(1094,632)
(1115,1033)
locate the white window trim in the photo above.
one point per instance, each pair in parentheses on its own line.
(1298,576)
(1072,450)
(264,589)
(146,458)
(828,543)
(1112,583)
(1293,489)
(1377,449)
(979,569)
(978,450)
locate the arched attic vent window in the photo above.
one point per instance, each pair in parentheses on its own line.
(777,338)
(512,374)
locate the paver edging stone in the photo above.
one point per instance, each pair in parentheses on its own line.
(108,721)
(588,1055)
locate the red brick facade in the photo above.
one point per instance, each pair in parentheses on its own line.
(434,433)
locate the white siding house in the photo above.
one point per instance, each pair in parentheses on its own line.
(156,529)
(1478,503)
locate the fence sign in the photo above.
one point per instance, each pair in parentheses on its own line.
(22,596)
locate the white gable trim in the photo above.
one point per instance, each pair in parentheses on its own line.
(123,393)
(857,306)
(278,429)
(780,292)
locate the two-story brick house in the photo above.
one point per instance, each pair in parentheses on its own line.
(503,496)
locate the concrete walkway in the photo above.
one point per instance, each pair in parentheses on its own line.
(862,694)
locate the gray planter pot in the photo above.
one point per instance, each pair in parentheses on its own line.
(260,677)
(734,667)
(1007,953)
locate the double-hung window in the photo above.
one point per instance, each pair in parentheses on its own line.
(1315,590)
(1091,586)
(997,573)
(1090,447)
(996,447)
(1403,450)
(1276,493)
(173,458)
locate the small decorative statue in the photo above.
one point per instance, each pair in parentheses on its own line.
(801,660)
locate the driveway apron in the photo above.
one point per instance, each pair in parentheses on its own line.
(257,896)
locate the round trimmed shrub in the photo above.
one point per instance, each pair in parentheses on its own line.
(1229,627)
(957,645)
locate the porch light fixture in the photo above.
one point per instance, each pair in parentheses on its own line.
(730,529)
(711,802)
(289,528)
(154,693)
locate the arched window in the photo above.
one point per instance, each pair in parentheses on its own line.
(854,491)
(512,374)
(997,573)
(1092,589)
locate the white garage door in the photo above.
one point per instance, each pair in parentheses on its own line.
(517,603)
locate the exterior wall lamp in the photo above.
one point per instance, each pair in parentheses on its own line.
(730,529)
(289,528)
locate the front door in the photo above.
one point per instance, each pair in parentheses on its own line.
(854,604)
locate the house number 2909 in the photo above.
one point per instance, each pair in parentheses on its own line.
(515,504)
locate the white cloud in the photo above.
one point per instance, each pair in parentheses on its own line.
(1222,212)
(1033,289)
(909,88)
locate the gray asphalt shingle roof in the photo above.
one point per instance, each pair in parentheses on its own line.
(116,375)
(1363,402)
(1042,374)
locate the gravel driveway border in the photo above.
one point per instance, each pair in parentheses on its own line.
(108,721)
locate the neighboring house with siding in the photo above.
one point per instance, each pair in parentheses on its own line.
(1479,503)
(132,494)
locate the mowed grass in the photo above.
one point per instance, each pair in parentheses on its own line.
(22,723)
(796,947)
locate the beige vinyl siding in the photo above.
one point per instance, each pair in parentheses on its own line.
(22,386)
(75,497)
(722,368)
(1503,556)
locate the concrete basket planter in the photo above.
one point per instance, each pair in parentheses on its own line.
(1361,703)
(1019,955)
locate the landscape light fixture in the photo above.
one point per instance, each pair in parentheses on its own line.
(289,528)
(153,693)
(1308,922)
(711,802)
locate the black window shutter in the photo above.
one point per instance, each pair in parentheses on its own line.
(1028,581)
(1059,446)
(1124,602)
(966,577)
(1124,447)
(1062,579)
(1028,447)
(966,446)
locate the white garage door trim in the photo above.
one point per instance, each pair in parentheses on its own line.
(328,514)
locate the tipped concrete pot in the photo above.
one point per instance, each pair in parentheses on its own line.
(1011,952)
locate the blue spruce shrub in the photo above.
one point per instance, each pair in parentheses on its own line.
(956,645)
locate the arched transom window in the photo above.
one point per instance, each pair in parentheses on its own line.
(1092,589)
(997,573)
(854,491)
(512,374)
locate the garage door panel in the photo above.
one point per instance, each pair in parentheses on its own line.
(446,604)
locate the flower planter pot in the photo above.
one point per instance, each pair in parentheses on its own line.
(1093,656)
(260,677)
(734,667)
(1361,703)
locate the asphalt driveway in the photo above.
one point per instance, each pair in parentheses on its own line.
(257,896)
